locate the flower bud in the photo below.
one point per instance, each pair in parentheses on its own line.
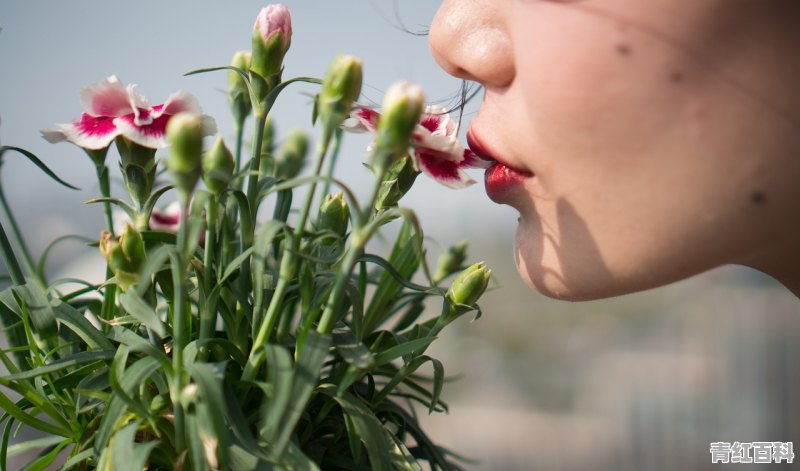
(450,261)
(334,214)
(272,35)
(400,112)
(138,166)
(398,180)
(218,166)
(125,256)
(292,155)
(238,95)
(185,136)
(340,88)
(466,289)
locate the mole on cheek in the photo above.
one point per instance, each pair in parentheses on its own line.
(676,77)
(623,49)
(758,198)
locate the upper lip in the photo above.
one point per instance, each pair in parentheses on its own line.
(476,145)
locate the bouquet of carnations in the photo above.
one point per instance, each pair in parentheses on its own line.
(222,340)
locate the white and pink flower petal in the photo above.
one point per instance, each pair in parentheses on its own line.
(177,102)
(140,107)
(89,132)
(446,172)
(106,98)
(362,119)
(152,135)
(167,219)
(473,160)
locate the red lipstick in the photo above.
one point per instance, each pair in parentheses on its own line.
(501,180)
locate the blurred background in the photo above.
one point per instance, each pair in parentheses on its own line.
(640,382)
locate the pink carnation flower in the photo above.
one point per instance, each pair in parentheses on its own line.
(434,145)
(112,109)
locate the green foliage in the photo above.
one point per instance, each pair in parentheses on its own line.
(272,344)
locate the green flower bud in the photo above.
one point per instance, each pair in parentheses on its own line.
(272,36)
(450,261)
(465,291)
(398,180)
(334,214)
(185,136)
(402,106)
(340,88)
(125,256)
(292,155)
(218,166)
(238,95)
(138,166)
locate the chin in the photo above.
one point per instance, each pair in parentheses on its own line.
(572,273)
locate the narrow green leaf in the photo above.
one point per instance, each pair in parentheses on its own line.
(402,349)
(351,349)
(306,375)
(279,378)
(7,405)
(63,363)
(43,319)
(366,426)
(129,211)
(70,317)
(134,377)
(43,462)
(41,266)
(38,163)
(79,458)
(126,453)
(142,311)
(209,378)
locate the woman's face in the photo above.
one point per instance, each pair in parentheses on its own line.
(649,140)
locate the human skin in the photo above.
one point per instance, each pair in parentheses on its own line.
(664,135)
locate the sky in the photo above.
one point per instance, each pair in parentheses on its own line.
(50,49)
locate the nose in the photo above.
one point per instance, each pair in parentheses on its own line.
(469,39)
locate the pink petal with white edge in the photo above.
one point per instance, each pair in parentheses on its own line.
(446,172)
(152,135)
(176,103)
(473,160)
(89,132)
(362,120)
(167,219)
(140,106)
(106,98)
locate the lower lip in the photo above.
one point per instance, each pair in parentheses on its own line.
(503,181)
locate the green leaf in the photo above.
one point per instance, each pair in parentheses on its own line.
(366,426)
(64,363)
(33,445)
(133,378)
(126,453)
(307,370)
(136,343)
(129,211)
(209,378)
(43,319)
(79,458)
(43,462)
(38,163)
(402,349)
(408,369)
(279,378)
(139,309)
(351,349)
(12,409)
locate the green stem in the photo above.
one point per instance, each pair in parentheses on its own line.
(27,260)
(11,261)
(359,240)
(337,141)
(178,330)
(105,191)
(209,311)
(239,131)
(288,265)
